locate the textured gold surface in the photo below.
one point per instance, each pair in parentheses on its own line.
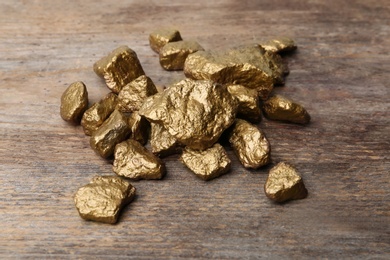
(248,102)
(162,142)
(284,183)
(280,108)
(119,68)
(279,45)
(194,112)
(131,96)
(250,144)
(139,127)
(249,66)
(208,164)
(174,54)
(94,116)
(135,162)
(74,101)
(103,198)
(113,131)
(159,38)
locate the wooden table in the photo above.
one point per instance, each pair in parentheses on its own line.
(340,73)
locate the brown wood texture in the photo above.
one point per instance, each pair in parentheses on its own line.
(340,73)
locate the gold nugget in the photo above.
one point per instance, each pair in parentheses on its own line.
(103,199)
(279,45)
(131,96)
(173,54)
(113,131)
(135,162)
(194,112)
(162,142)
(74,101)
(208,164)
(95,115)
(250,144)
(119,68)
(159,38)
(283,109)
(284,183)
(248,102)
(139,127)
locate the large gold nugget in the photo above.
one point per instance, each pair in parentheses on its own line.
(103,198)
(113,131)
(119,68)
(139,127)
(135,162)
(207,164)
(250,144)
(248,102)
(174,54)
(279,45)
(249,66)
(283,109)
(95,115)
(159,38)
(74,101)
(284,183)
(132,96)
(194,112)
(162,142)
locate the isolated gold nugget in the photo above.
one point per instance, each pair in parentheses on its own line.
(113,131)
(135,162)
(103,199)
(132,96)
(74,101)
(162,142)
(119,68)
(208,164)
(284,183)
(174,54)
(139,127)
(94,116)
(280,108)
(250,144)
(279,45)
(159,38)
(194,112)
(248,102)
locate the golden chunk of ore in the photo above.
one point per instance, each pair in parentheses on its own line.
(159,38)
(132,96)
(250,144)
(139,128)
(284,183)
(103,198)
(74,101)
(119,68)
(135,162)
(113,131)
(194,112)
(279,45)
(94,116)
(174,54)
(248,102)
(162,142)
(208,164)
(280,108)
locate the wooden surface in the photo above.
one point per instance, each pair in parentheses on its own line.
(340,74)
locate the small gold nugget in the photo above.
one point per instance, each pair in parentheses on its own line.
(119,68)
(132,96)
(159,38)
(162,142)
(248,102)
(135,162)
(139,127)
(194,112)
(74,101)
(207,164)
(283,109)
(279,45)
(284,183)
(250,144)
(113,131)
(103,199)
(95,115)
(174,54)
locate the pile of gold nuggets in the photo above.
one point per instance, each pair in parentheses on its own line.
(223,97)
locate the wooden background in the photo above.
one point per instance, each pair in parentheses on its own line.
(340,74)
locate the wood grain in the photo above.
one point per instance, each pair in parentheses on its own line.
(340,73)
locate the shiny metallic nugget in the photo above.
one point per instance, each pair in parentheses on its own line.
(74,101)
(161,37)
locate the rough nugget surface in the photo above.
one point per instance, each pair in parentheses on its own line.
(284,183)
(162,142)
(279,45)
(159,38)
(135,162)
(194,112)
(139,127)
(74,101)
(174,54)
(248,102)
(103,198)
(207,164)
